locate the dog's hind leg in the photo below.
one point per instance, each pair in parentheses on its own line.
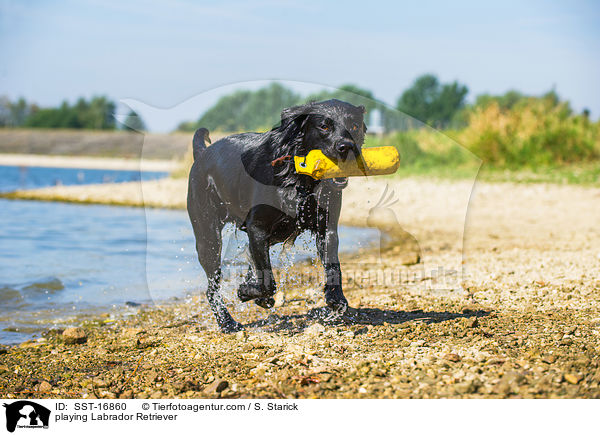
(207,229)
(209,255)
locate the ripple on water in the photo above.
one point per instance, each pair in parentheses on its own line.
(70,259)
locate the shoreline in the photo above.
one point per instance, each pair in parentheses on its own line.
(78,162)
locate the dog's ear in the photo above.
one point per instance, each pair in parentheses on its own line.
(362,109)
(297,114)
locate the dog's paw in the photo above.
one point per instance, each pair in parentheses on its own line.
(230,327)
(265,303)
(335,299)
(247,292)
(338,305)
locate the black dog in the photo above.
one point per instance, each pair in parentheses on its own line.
(250,180)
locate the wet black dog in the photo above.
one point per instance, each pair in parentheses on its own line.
(250,180)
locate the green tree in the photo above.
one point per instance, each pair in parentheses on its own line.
(246,110)
(14,114)
(95,114)
(350,93)
(100,114)
(432,102)
(505,102)
(133,122)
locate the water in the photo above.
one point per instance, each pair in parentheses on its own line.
(61,262)
(31,177)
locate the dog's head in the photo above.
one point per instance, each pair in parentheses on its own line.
(335,127)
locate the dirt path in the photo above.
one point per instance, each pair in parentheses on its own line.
(525,322)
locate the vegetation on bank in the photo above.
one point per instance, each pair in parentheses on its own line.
(516,137)
(527,139)
(96,114)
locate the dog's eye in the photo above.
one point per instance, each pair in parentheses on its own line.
(324,127)
(354,127)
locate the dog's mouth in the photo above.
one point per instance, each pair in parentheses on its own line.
(339,182)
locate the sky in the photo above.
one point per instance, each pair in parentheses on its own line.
(172,60)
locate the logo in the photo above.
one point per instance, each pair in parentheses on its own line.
(26,414)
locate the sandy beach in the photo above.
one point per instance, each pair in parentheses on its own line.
(82,162)
(521,318)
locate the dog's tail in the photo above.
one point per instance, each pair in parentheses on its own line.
(199,141)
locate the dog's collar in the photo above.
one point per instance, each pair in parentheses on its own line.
(281,160)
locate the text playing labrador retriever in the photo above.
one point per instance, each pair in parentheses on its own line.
(250,180)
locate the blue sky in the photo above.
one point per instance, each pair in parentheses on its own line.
(164,53)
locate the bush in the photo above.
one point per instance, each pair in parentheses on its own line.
(534,132)
(424,149)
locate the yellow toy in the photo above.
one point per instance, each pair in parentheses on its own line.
(372,161)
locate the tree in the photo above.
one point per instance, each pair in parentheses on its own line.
(350,93)
(5,113)
(14,114)
(505,102)
(432,102)
(96,114)
(133,122)
(246,110)
(100,115)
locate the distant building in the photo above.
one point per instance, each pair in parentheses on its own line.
(375,123)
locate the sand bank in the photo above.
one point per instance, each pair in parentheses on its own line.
(87,162)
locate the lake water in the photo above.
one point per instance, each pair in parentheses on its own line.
(61,262)
(31,177)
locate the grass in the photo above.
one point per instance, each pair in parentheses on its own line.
(588,174)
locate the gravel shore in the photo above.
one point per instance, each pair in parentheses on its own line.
(505,303)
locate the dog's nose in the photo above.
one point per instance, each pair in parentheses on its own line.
(344,147)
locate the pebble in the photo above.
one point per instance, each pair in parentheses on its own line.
(127,394)
(217,386)
(503,388)
(315,329)
(74,336)
(573,379)
(279,299)
(45,387)
(151,376)
(465,387)
(132,332)
(452,357)
(549,359)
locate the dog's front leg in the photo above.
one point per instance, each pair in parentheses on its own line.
(327,245)
(262,287)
